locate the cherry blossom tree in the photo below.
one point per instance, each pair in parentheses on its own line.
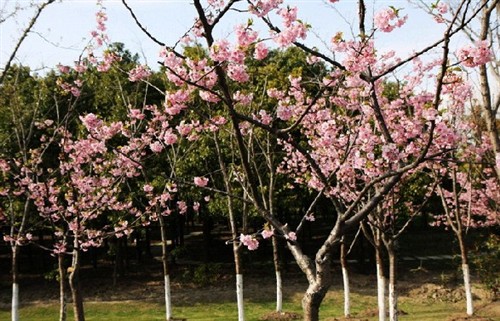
(86,183)
(469,193)
(343,140)
(479,61)
(23,149)
(386,224)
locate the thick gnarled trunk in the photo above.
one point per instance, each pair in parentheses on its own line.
(312,300)
(319,278)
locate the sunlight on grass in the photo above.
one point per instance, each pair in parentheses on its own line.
(363,306)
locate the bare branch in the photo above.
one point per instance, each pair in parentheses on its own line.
(21,40)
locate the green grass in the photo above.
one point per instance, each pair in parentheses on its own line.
(151,311)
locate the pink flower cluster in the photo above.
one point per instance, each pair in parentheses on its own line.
(388,19)
(249,241)
(263,7)
(201,181)
(293,28)
(139,73)
(473,56)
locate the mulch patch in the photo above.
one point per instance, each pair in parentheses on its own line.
(280,316)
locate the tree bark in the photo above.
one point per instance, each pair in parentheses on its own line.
(234,232)
(74,283)
(312,300)
(277,269)
(166,272)
(345,279)
(466,275)
(15,283)
(393,295)
(62,287)
(380,282)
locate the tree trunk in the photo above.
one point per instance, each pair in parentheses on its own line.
(393,295)
(239,279)
(166,272)
(15,283)
(74,283)
(62,287)
(234,232)
(277,269)
(466,275)
(345,279)
(312,301)
(380,282)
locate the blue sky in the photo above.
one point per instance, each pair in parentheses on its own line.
(63,29)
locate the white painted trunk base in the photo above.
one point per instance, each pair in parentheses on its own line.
(15,302)
(239,297)
(347,292)
(168,298)
(279,293)
(468,289)
(393,304)
(380,293)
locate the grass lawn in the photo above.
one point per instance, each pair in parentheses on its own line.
(415,310)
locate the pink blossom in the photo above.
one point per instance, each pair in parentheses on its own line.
(147,188)
(289,35)
(473,56)
(267,233)
(291,236)
(238,73)
(245,35)
(249,241)
(91,122)
(208,96)
(184,129)
(289,15)
(196,206)
(263,7)
(264,117)
(63,69)
(139,73)
(216,3)
(201,181)
(442,7)
(388,19)
(136,114)
(261,51)
(182,206)
(243,99)
(170,138)
(75,91)
(156,147)
(80,67)
(220,51)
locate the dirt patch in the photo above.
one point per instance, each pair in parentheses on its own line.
(469,318)
(346,319)
(280,316)
(437,292)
